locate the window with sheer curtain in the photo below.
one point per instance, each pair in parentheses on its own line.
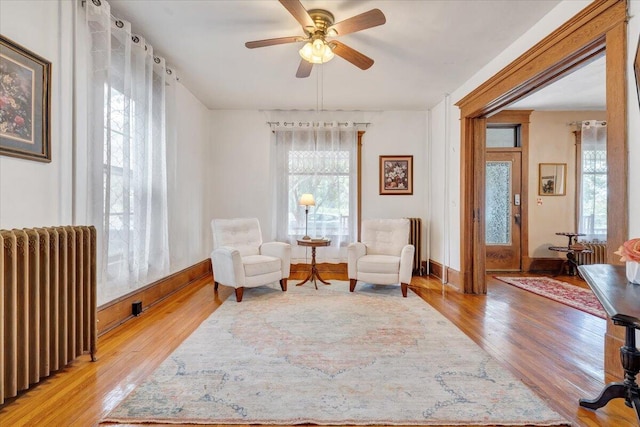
(126,160)
(592,180)
(321,161)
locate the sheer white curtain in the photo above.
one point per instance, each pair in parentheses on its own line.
(321,159)
(126,153)
(592,167)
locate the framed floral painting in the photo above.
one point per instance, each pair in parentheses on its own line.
(396,175)
(25,103)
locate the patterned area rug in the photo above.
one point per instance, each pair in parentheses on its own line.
(329,356)
(565,293)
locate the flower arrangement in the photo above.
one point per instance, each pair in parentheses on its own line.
(629,251)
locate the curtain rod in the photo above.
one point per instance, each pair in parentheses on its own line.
(315,123)
(134,38)
(580,122)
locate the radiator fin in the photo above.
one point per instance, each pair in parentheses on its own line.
(415,239)
(48,302)
(597,256)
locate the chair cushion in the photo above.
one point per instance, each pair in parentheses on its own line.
(242,234)
(385,236)
(256,265)
(379,264)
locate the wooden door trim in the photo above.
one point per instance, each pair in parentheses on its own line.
(479,135)
(601,25)
(359,182)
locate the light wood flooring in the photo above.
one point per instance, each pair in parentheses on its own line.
(556,350)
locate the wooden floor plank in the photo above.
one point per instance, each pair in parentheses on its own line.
(556,350)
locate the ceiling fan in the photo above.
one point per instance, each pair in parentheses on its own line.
(318,25)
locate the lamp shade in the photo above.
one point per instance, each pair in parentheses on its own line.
(307,200)
(316,52)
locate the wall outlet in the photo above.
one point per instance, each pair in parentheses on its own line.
(136,308)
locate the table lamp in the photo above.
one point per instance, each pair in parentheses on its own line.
(306,200)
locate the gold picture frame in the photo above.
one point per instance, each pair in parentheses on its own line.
(396,175)
(25,101)
(552,179)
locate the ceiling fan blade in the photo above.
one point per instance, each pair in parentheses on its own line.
(304,69)
(365,20)
(356,58)
(271,42)
(299,12)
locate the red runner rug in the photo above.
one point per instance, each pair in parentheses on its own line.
(573,296)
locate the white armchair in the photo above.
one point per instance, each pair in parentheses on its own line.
(241,260)
(383,256)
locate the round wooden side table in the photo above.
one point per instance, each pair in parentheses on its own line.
(313,274)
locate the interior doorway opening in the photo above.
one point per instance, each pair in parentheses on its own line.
(599,28)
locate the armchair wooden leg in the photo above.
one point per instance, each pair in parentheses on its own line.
(215,286)
(239,293)
(283,284)
(404,287)
(352,284)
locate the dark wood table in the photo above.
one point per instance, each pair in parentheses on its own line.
(313,274)
(621,301)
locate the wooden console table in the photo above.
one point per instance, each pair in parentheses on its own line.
(621,301)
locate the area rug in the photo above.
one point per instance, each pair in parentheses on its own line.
(329,356)
(565,293)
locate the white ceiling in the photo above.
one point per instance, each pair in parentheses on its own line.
(584,89)
(427,48)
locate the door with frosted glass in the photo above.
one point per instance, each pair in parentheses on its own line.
(502,210)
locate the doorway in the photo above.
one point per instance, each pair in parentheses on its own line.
(600,27)
(507,140)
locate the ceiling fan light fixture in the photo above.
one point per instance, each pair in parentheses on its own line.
(316,52)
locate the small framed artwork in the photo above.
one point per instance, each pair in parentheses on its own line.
(396,175)
(553,178)
(25,103)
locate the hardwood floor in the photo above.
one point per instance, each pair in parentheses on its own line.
(556,350)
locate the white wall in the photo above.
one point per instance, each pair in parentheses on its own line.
(188,187)
(34,193)
(394,133)
(239,167)
(240,181)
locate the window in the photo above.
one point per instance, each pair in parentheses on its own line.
(593,204)
(503,136)
(126,186)
(592,177)
(323,162)
(118,171)
(326,175)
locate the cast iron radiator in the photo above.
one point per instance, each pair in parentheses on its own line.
(48,302)
(599,255)
(415,239)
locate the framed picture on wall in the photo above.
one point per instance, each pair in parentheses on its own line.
(553,178)
(396,175)
(25,103)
